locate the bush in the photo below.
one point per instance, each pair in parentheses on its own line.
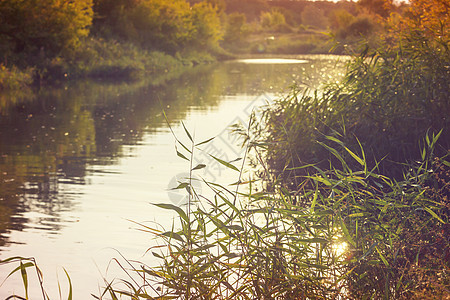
(359,27)
(14,79)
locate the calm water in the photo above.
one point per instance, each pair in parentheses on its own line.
(79,162)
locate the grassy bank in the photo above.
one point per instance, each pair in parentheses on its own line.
(347,233)
(101,59)
(309,42)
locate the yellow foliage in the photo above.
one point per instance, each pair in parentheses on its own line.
(430,17)
(49,26)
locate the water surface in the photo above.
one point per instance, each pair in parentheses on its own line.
(80,162)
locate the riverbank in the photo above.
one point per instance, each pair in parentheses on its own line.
(279,43)
(102,60)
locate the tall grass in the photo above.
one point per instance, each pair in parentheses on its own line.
(390,98)
(27,268)
(346,233)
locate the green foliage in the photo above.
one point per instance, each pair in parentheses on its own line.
(345,233)
(101,58)
(14,79)
(207,25)
(340,18)
(301,44)
(271,20)
(36,30)
(379,7)
(251,8)
(348,27)
(360,27)
(161,25)
(235,28)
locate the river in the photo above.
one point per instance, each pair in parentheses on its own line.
(81,162)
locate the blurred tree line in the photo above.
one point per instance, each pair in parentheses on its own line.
(346,20)
(36,32)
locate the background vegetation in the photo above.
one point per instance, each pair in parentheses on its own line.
(50,41)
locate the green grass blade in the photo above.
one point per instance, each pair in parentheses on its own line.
(434,214)
(204,142)
(180,212)
(187,132)
(182,185)
(69,297)
(226,164)
(346,232)
(179,154)
(199,166)
(24,274)
(382,257)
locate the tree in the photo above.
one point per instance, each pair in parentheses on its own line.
(34,29)
(163,25)
(207,26)
(340,18)
(379,7)
(235,27)
(272,19)
(312,15)
(432,17)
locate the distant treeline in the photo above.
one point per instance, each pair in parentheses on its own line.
(36,29)
(48,35)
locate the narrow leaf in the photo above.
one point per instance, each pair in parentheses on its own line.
(70,285)
(204,142)
(157,255)
(314,201)
(199,166)
(226,164)
(346,233)
(174,235)
(314,240)
(382,257)
(23,271)
(181,155)
(368,251)
(180,212)
(187,132)
(181,186)
(434,214)
(356,157)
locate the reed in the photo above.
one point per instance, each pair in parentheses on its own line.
(344,233)
(27,267)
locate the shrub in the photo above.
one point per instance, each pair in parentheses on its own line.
(359,27)
(14,79)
